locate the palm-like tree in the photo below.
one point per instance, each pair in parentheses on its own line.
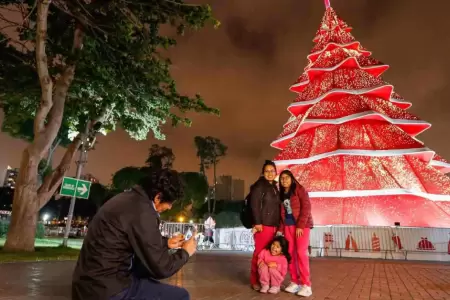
(210,150)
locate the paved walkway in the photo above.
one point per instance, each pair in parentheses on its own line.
(223,276)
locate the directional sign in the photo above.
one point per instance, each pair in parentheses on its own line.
(72,187)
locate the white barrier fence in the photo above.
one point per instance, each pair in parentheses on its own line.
(168,229)
(405,243)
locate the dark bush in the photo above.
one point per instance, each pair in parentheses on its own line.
(228,219)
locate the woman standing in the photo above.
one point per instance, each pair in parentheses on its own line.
(296,223)
(265,206)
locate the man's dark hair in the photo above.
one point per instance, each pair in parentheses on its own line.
(165,182)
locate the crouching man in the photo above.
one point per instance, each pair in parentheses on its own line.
(124,253)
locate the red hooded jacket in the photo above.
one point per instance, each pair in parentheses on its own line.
(301,209)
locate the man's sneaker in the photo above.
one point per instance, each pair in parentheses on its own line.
(256,287)
(274,290)
(292,288)
(264,289)
(305,291)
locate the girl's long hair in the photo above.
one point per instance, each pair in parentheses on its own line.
(293,186)
(284,246)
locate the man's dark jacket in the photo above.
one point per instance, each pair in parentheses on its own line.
(126,225)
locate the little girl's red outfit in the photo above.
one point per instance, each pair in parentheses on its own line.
(271,276)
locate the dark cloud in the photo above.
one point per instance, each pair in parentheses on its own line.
(253,42)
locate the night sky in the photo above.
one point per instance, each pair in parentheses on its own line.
(246,66)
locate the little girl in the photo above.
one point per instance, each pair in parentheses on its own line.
(272,265)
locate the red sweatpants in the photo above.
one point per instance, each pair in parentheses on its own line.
(298,249)
(262,239)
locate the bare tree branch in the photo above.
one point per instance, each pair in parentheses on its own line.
(42,67)
(53,180)
(56,112)
(26,19)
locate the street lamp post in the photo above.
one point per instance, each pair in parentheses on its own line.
(82,160)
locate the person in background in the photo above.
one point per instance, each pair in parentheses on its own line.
(265,207)
(272,265)
(124,253)
(209,233)
(296,223)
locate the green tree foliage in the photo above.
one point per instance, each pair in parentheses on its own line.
(94,64)
(126,178)
(160,157)
(19,128)
(195,188)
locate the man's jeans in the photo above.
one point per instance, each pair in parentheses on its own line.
(148,289)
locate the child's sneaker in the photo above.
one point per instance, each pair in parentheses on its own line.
(264,289)
(274,290)
(256,287)
(305,291)
(292,288)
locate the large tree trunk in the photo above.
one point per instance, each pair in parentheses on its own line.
(30,196)
(22,229)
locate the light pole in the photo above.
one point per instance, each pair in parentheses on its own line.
(82,160)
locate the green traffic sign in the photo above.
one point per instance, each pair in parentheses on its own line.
(74,187)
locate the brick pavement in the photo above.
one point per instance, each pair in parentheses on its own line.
(223,276)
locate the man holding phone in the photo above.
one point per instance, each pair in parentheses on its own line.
(124,253)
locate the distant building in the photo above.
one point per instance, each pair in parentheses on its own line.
(10,176)
(224,187)
(2,174)
(238,189)
(229,189)
(89,177)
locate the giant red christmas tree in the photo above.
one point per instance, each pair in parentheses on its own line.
(351,143)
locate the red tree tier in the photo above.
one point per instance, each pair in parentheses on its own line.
(351,143)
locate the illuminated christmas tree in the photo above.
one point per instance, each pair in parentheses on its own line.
(353,146)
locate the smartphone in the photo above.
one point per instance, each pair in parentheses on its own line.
(190,231)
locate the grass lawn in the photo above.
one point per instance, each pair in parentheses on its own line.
(52,242)
(40,254)
(46,249)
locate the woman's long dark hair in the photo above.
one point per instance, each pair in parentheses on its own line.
(292,188)
(268,163)
(284,246)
